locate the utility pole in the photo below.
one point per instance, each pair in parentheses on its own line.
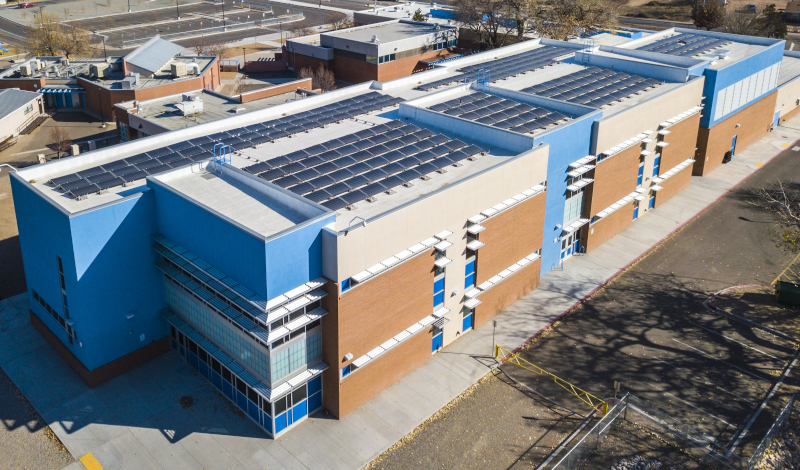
(129,6)
(244,65)
(224,25)
(177,8)
(105,56)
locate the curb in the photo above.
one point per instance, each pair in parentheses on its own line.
(647,252)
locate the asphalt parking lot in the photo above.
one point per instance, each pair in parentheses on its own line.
(648,330)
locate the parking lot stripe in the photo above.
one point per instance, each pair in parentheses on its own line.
(706,383)
(724,362)
(737,341)
(90,462)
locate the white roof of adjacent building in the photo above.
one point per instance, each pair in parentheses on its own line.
(390,31)
(11,99)
(153,54)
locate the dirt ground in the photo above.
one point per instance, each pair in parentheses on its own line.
(80,127)
(680,10)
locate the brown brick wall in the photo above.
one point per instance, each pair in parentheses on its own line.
(755,121)
(300,61)
(596,234)
(104,373)
(27,84)
(407,66)
(367,316)
(379,374)
(506,292)
(510,236)
(614,178)
(274,90)
(682,141)
(353,71)
(674,185)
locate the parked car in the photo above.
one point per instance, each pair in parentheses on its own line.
(750,8)
(27,5)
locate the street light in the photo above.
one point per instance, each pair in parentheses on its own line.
(177,8)
(129,6)
(244,52)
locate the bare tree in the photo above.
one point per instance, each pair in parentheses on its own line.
(524,13)
(767,23)
(485,20)
(560,19)
(782,200)
(47,36)
(301,29)
(204,47)
(322,78)
(341,21)
(59,140)
(708,14)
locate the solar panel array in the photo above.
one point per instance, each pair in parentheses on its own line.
(358,166)
(499,112)
(592,86)
(685,45)
(139,166)
(505,67)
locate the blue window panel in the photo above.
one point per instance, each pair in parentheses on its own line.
(635,213)
(289,415)
(299,410)
(227,389)
(346,285)
(652,203)
(438,285)
(267,420)
(253,411)
(437,343)
(467,324)
(241,401)
(280,422)
(315,385)
(193,360)
(438,299)
(639,179)
(314,402)
(346,371)
(656,164)
(203,369)
(469,281)
(216,379)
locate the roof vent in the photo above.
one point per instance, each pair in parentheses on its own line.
(722,53)
(375,39)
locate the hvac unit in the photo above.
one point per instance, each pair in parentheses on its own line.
(178,69)
(135,76)
(35,64)
(191,104)
(25,70)
(128,83)
(99,70)
(65,62)
(193,67)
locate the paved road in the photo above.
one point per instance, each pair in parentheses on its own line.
(648,330)
(11,33)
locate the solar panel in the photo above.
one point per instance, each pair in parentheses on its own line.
(110,183)
(64,179)
(157,169)
(335,204)
(83,191)
(75,184)
(100,177)
(114,165)
(90,172)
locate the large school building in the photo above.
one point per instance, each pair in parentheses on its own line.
(310,254)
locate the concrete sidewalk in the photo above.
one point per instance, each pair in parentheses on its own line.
(135,421)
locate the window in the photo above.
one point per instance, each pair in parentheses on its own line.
(469,276)
(241,386)
(28,109)
(345,285)
(203,356)
(123,132)
(215,365)
(383,59)
(372,59)
(252,395)
(72,335)
(299,395)
(438,291)
(282,404)
(314,346)
(656,164)
(346,370)
(226,374)
(641,173)
(573,208)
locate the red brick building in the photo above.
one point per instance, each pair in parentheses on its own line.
(381,51)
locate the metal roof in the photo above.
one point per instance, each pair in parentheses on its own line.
(153,54)
(12,99)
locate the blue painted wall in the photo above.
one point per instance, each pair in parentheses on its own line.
(268,268)
(717,80)
(567,144)
(295,257)
(108,270)
(226,246)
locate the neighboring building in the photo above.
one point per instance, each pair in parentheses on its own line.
(18,110)
(136,119)
(381,51)
(152,70)
(311,253)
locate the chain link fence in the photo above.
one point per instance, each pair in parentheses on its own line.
(699,446)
